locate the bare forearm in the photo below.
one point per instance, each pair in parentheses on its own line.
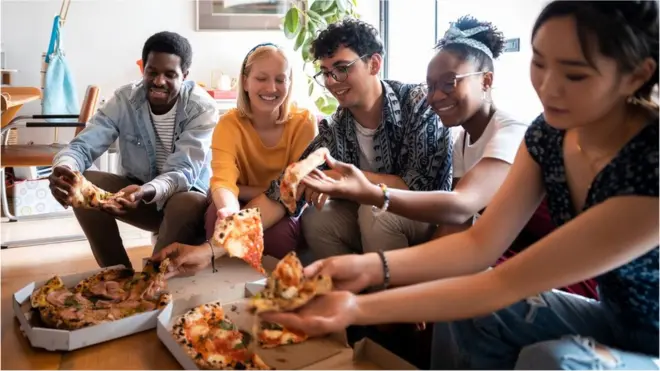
(455,255)
(225,199)
(247,193)
(437,301)
(437,207)
(271,211)
(392,181)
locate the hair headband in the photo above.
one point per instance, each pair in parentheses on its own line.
(253,50)
(454,35)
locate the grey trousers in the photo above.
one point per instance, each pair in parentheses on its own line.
(344,227)
(181,220)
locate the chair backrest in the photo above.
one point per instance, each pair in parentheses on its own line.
(88,106)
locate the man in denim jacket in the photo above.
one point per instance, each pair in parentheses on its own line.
(163,126)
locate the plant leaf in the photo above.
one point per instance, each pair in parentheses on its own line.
(328,5)
(316,17)
(342,5)
(321,102)
(310,89)
(330,107)
(300,40)
(292,23)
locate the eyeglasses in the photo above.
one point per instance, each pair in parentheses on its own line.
(339,73)
(448,83)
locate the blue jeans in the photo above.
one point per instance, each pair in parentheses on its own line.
(554,330)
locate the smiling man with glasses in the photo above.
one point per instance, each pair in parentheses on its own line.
(386,129)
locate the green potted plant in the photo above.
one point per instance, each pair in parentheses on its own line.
(303,22)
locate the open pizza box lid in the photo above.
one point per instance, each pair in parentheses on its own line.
(330,352)
(54,339)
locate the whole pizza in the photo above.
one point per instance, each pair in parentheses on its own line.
(109,295)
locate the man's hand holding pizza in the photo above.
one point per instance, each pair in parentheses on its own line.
(130,199)
(61,184)
(186,259)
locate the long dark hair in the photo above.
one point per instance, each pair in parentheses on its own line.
(626,31)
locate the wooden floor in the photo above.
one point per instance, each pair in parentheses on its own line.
(20,266)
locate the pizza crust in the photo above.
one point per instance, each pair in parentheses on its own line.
(294,174)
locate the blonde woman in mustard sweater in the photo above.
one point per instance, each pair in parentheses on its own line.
(251,146)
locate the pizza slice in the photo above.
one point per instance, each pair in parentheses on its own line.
(271,335)
(89,196)
(295,173)
(242,236)
(213,341)
(287,288)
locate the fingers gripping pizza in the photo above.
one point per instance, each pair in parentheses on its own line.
(242,235)
(109,295)
(89,196)
(287,288)
(295,173)
(213,341)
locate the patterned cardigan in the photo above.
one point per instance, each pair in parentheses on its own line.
(411,142)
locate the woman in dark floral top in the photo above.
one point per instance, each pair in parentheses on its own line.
(594,153)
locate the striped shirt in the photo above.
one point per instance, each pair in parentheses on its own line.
(164,132)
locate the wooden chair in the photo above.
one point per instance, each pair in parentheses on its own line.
(25,155)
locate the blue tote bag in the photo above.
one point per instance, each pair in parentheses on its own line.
(59,95)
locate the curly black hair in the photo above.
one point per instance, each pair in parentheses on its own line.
(626,31)
(492,38)
(357,35)
(171,43)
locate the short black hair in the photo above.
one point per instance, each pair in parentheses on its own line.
(626,31)
(171,43)
(354,34)
(491,38)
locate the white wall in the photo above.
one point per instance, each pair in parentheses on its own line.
(117,30)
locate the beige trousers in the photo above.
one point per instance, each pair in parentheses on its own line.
(344,227)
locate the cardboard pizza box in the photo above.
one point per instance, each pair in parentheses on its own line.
(227,284)
(330,352)
(54,339)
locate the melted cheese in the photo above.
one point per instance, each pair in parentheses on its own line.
(282,336)
(217,359)
(290,292)
(235,248)
(198,330)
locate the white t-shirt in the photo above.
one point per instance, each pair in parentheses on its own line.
(365,139)
(500,140)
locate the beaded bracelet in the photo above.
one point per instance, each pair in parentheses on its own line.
(386,201)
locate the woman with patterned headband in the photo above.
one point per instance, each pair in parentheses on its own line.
(251,146)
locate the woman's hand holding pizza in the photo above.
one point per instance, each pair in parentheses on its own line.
(331,312)
(352,273)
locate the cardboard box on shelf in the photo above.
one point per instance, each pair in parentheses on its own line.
(325,353)
(55,339)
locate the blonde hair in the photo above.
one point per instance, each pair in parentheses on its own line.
(243,100)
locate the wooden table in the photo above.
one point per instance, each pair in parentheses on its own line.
(13,98)
(143,351)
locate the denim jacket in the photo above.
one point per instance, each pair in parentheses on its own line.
(125,118)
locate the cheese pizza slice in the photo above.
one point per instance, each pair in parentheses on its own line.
(287,288)
(295,173)
(242,236)
(271,335)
